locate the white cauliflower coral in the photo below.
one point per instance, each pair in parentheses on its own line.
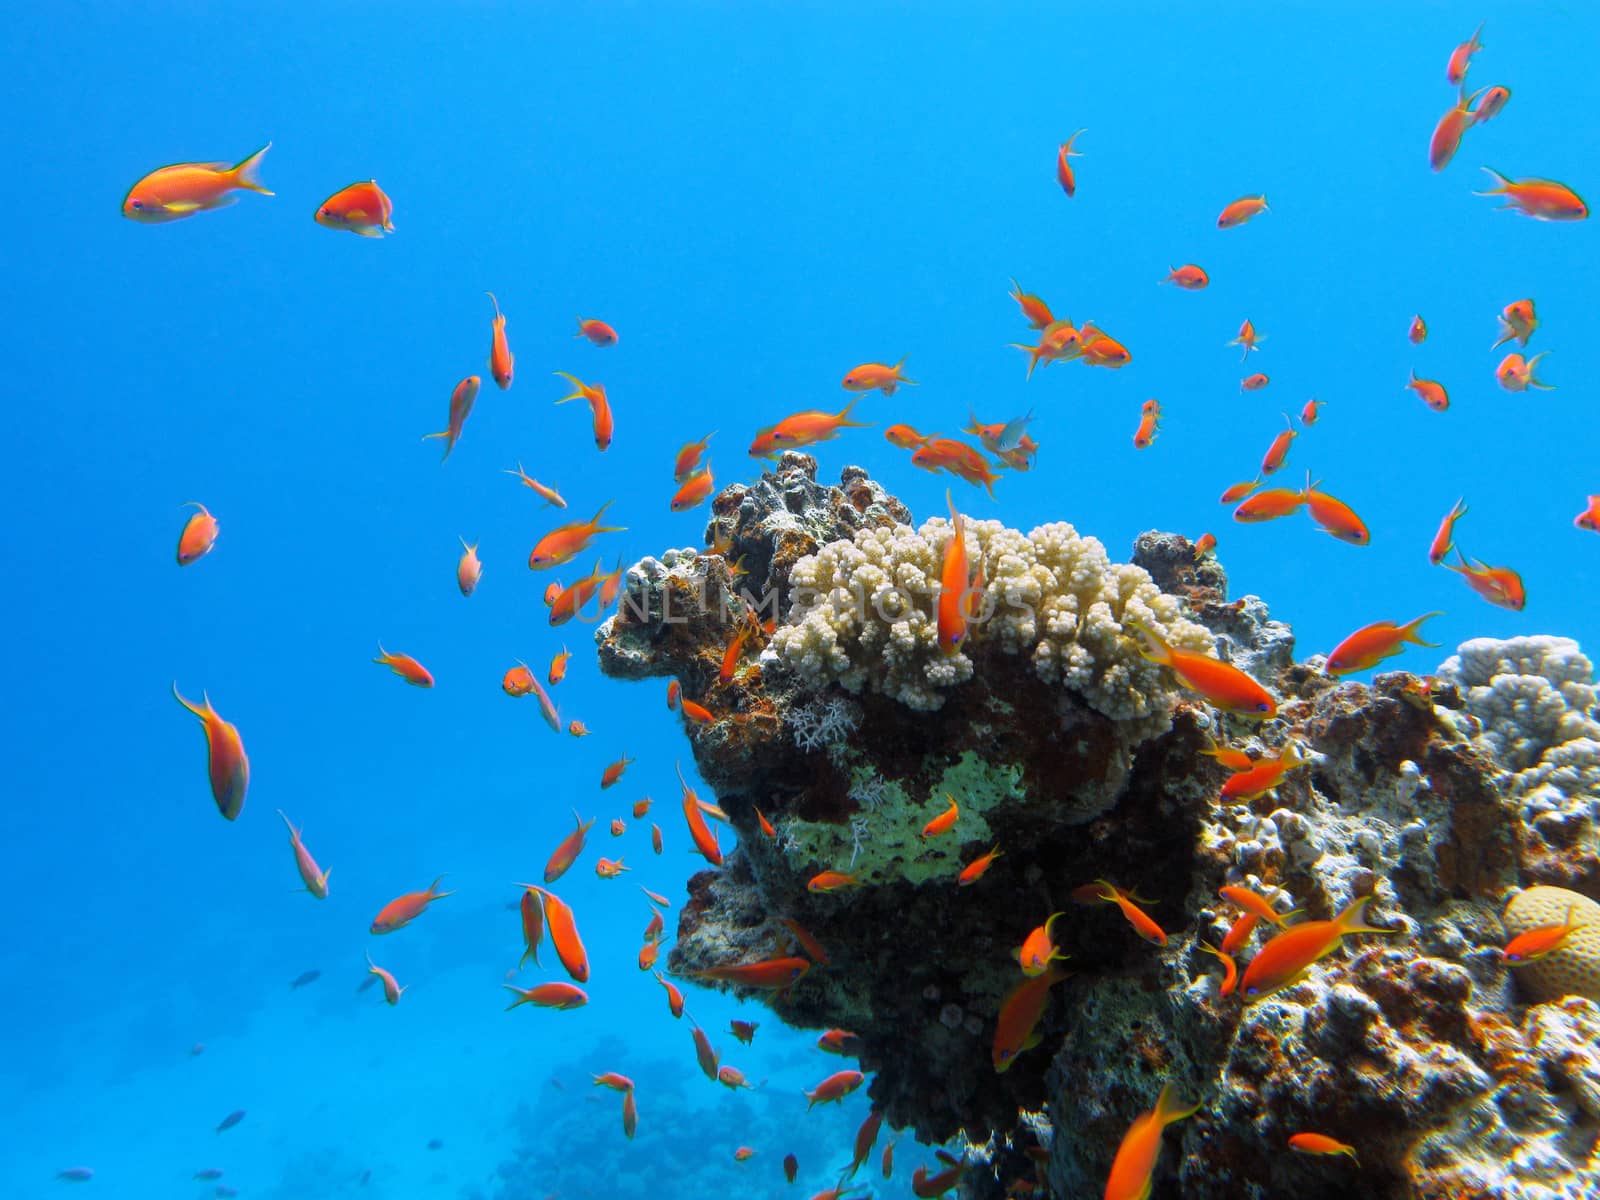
(864,615)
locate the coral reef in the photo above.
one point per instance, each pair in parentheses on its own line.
(1080,761)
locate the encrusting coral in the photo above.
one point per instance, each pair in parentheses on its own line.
(1079,761)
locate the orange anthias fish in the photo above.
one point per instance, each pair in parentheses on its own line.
(1334,516)
(468,569)
(1135,1162)
(313,876)
(550,495)
(614,1080)
(1321,1143)
(1103,350)
(875,376)
(1230,970)
(693,491)
(1016,1028)
(1254,383)
(1536,943)
(599,407)
(461,402)
(704,1053)
(744,1031)
(1222,684)
(1038,951)
(803,429)
(772,974)
(1270,505)
(674,996)
(1456,69)
(630,1113)
(927,1187)
(607,868)
(1259,778)
(570,601)
(1057,341)
(1248,338)
(532,911)
(566,541)
(1238,491)
(807,940)
(960,459)
(563,927)
(1239,932)
(688,457)
(1149,425)
(701,834)
(1542,199)
(1278,452)
(614,772)
(1589,518)
(1497,585)
(558,667)
(904,437)
(518,681)
(361,208)
(954,584)
(391,986)
(561,996)
(402,910)
(945,821)
(1444,541)
(1189,277)
(596,331)
(1241,210)
(406,667)
(1515,373)
(1371,644)
(1064,174)
(1446,139)
(566,853)
(1034,309)
(1230,756)
(732,1078)
(198,536)
(1143,924)
(1283,960)
(830,881)
(1517,321)
(1494,99)
(1206,544)
(227,764)
(978,867)
(834,1088)
(1418,333)
(547,708)
(578,729)
(1308,412)
(172,193)
(1431,391)
(500,356)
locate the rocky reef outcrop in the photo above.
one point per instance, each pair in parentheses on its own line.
(1079,760)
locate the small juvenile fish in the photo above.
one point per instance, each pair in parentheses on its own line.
(1064,175)
(362,208)
(468,569)
(461,402)
(550,494)
(1241,210)
(596,331)
(198,536)
(172,193)
(558,667)
(607,868)
(1321,1143)
(577,729)
(1418,333)
(501,360)
(304,978)
(1206,544)
(406,667)
(1149,425)
(877,377)
(744,1031)
(518,681)
(1248,339)
(1541,199)
(229,1121)
(1189,277)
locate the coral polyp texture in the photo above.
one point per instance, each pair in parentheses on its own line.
(1074,759)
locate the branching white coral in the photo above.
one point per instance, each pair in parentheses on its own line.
(864,615)
(823,723)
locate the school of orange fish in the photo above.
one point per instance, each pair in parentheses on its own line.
(180,191)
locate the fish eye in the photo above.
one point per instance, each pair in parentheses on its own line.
(1263,707)
(138,203)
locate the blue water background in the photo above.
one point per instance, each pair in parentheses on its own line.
(758,199)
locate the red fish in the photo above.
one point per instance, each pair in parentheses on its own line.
(1321,1143)
(1016,1029)
(765,825)
(960,459)
(1431,391)
(518,681)
(1278,451)
(1493,100)
(468,569)
(945,821)
(1239,932)
(1456,69)
(674,691)
(1444,541)
(1241,210)
(1149,425)
(362,208)
(630,1113)
(807,942)
(567,541)
(674,996)
(1418,333)
(1371,644)
(391,986)
(905,437)
(614,772)
(406,667)
(1230,970)
(1288,956)
(1536,943)
(403,910)
(226,762)
(834,1088)
(1446,139)
(1589,518)
(550,495)
(1222,684)
(1261,777)
(532,926)
(1254,383)
(1238,491)
(688,458)
(839,1041)
(954,585)
(606,868)
(1515,373)
(1248,339)
(770,974)
(198,536)
(803,429)
(599,407)
(563,928)
(1034,309)
(461,402)
(1542,199)
(703,1052)
(705,841)
(1038,951)
(744,1031)
(1308,413)
(1189,277)
(1143,924)
(596,331)
(615,1081)
(179,191)
(1498,585)
(978,867)
(500,356)
(1270,505)
(1064,175)
(875,376)
(1334,515)
(732,1078)
(549,995)
(313,876)
(830,881)
(1136,1157)
(1517,322)
(578,729)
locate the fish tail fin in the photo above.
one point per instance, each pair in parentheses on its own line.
(1409,630)
(575,382)
(1150,646)
(177,695)
(245,174)
(901,378)
(1169,1108)
(435,893)
(293,832)
(844,416)
(1505,184)
(1349,921)
(522,997)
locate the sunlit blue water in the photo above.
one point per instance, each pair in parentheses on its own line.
(758,200)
